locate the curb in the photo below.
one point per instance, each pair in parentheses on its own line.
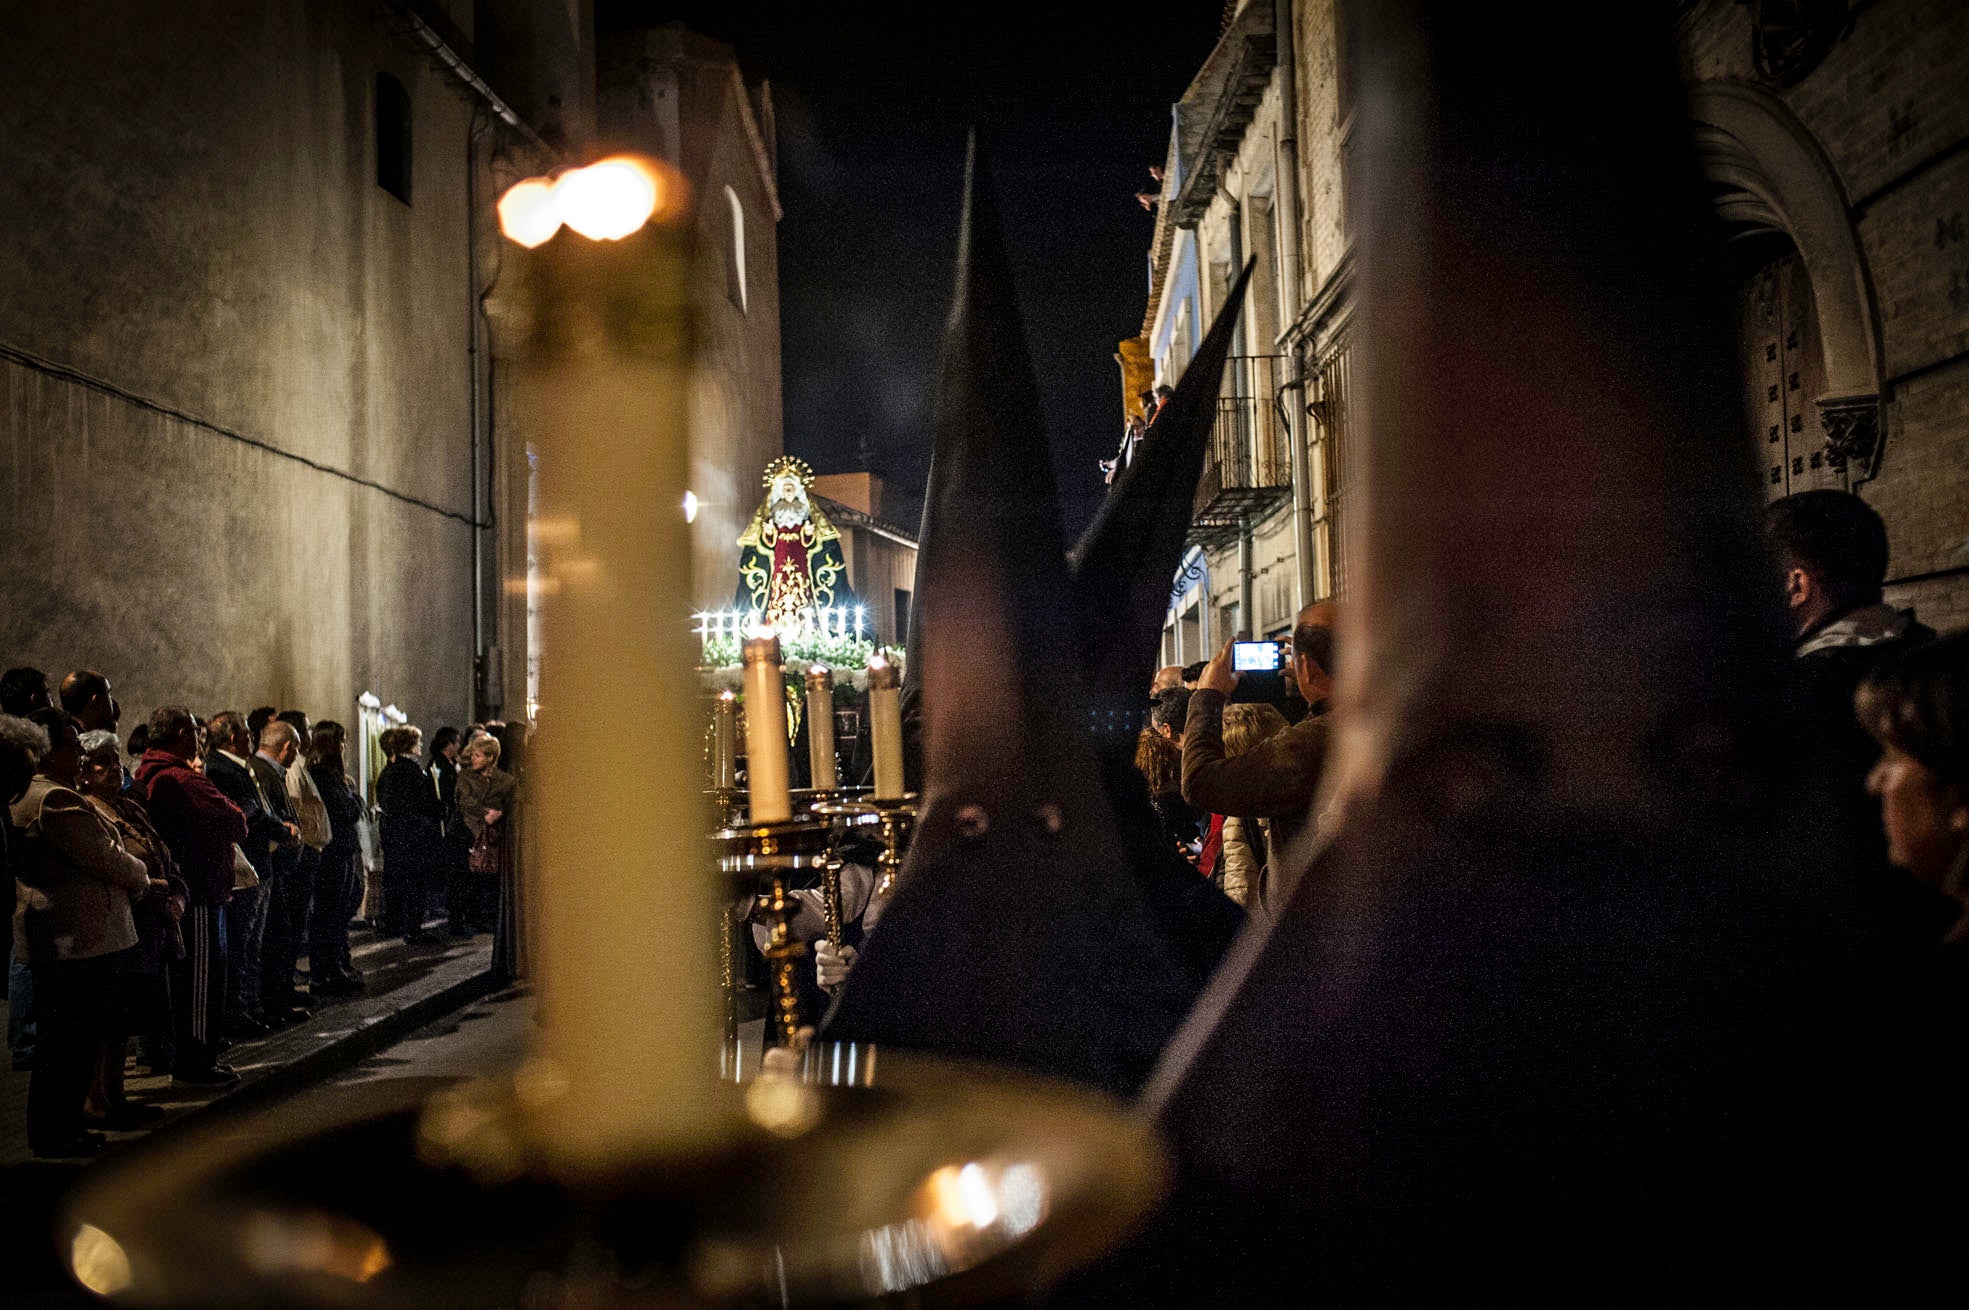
(332,1057)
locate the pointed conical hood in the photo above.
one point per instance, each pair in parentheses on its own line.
(1016,933)
(1124,562)
(1554,1000)
(1122,567)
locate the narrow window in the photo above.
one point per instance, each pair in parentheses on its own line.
(735,254)
(393,137)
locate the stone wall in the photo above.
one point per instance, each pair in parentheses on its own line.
(189,201)
(1888,109)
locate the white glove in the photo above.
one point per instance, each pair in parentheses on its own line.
(831,964)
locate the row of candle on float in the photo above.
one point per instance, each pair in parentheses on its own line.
(768,793)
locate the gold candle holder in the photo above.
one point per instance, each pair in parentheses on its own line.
(897,820)
(774,859)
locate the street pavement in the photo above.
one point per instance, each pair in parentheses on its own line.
(407,1023)
(488,1037)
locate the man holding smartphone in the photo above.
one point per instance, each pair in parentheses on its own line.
(1278,778)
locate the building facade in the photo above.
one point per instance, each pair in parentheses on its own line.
(259,444)
(880,554)
(246,412)
(681,97)
(1835,147)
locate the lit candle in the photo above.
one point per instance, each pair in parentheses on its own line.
(724,740)
(767,798)
(820,728)
(885,721)
(630,1025)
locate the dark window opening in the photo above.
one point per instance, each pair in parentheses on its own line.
(902,615)
(393,137)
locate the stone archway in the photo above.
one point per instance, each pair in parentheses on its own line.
(1770,173)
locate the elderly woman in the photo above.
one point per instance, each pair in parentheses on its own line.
(485,800)
(410,817)
(146,993)
(73,925)
(1916,705)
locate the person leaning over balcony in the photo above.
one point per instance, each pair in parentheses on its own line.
(1278,778)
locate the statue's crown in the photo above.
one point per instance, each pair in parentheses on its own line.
(784,465)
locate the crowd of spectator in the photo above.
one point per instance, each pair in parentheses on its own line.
(1878,712)
(174,901)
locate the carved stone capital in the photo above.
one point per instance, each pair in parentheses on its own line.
(1852,433)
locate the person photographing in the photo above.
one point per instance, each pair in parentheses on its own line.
(1278,778)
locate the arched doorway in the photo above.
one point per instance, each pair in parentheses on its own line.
(1806,322)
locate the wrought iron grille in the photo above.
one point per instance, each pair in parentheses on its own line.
(1248,469)
(1332,440)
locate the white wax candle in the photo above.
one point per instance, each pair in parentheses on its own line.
(724,740)
(820,728)
(885,723)
(630,1024)
(767,797)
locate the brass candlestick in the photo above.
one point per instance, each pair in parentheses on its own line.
(728,802)
(831,899)
(775,859)
(806,798)
(851,1180)
(896,818)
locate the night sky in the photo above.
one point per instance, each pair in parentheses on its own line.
(873,101)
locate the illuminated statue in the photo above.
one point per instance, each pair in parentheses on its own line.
(789,556)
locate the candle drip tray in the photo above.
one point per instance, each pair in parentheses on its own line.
(950,1183)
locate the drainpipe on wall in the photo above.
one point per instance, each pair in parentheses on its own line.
(1286,187)
(479,698)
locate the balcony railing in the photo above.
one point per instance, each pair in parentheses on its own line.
(1247,472)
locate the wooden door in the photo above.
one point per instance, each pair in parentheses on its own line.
(1783,370)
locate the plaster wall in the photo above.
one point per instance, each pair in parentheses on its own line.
(188,196)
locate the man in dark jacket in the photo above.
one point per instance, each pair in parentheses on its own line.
(1831,549)
(226,764)
(199,825)
(454,846)
(287,891)
(1276,779)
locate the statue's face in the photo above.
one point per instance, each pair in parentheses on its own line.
(787,501)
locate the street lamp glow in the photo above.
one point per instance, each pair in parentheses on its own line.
(609,200)
(530,212)
(690,507)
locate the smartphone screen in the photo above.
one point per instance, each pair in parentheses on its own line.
(1255,656)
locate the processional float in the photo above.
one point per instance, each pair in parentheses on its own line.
(1563,994)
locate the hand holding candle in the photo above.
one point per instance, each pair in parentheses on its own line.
(768,800)
(885,721)
(820,728)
